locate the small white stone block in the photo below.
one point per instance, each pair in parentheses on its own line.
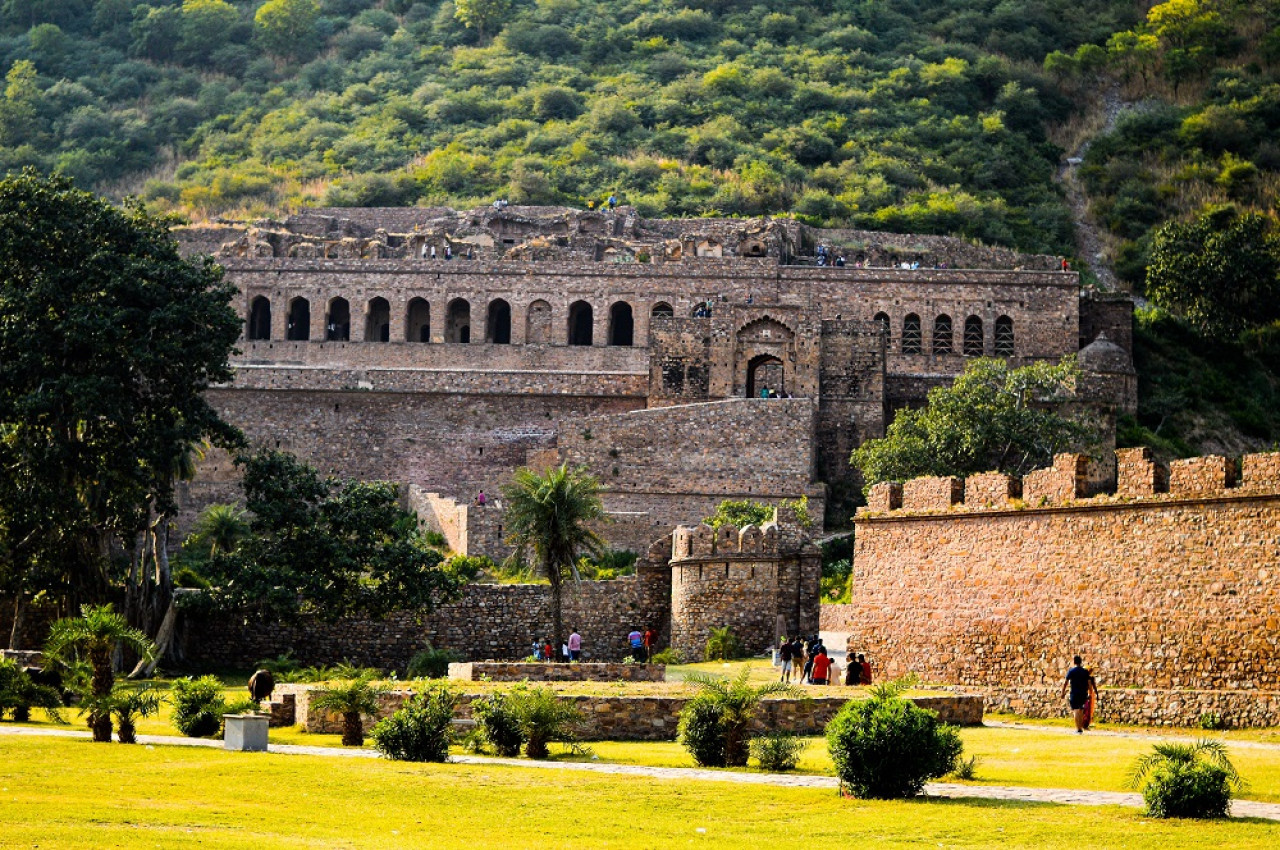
(246,733)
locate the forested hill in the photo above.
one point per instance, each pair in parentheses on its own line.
(912,115)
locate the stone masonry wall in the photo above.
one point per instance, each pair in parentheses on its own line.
(1168,591)
(516,671)
(498,622)
(1146,706)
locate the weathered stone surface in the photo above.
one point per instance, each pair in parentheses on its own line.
(1146,706)
(932,494)
(1198,476)
(511,671)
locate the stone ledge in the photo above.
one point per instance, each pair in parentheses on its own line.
(516,671)
(1143,706)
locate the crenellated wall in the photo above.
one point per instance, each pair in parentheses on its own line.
(1164,587)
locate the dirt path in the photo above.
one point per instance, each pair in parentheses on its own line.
(1063,796)
(1090,243)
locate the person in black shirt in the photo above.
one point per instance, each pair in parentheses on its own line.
(1082,686)
(785,652)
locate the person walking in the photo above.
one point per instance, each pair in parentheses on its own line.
(575,645)
(649,638)
(636,640)
(786,652)
(1083,691)
(821,666)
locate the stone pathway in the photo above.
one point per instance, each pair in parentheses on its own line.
(1064,796)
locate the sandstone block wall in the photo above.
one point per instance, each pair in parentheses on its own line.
(993,489)
(885,496)
(1137,475)
(1199,476)
(1169,591)
(932,494)
(1065,481)
(1147,706)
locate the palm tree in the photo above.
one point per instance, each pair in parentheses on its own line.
(1193,780)
(128,704)
(96,633)
(548,514)
(353,699)
(222,527)
(735,703)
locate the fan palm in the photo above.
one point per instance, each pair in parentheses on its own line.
(1193,780)
(737,702)
(354,699)
(96,633)
(548,514)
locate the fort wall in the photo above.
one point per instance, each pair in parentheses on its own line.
(1164,590)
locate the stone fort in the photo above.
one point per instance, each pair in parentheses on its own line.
(639,348)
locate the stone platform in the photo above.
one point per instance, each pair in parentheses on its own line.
(518,671)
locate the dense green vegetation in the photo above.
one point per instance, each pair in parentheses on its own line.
(903,114)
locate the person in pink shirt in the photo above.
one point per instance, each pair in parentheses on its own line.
(575,646)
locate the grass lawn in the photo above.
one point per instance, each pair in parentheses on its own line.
(75,794)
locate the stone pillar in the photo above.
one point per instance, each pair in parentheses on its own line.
(246,732)
(319,316)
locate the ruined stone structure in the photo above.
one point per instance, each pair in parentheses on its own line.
(640,348)
(1170,585)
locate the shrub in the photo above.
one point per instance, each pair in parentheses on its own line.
(777,751)
(887,747)
(128,704)
(715,725)
(1211,720)
(198,706)
(670,655)
(431,663)
(543,718)
(19,694)
(722,645)
(354,699)
(420,730)
(498,724)
(1186,780)
(966,769)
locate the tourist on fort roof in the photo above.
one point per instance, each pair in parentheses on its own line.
(1084,691)
(448,252)
(481,499)
(840,260)
(470,254)
(575,645)
(613,201)
(636,640)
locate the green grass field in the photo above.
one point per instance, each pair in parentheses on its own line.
(74,794)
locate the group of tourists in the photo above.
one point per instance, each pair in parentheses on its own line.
(810,663)
(611,202)
(641,645)
(570,650)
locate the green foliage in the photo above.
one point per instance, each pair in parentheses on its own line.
(353,699)
(1211,720)
(993,417)
(130,703)
(420,731)
(109,342)
(669,655)
(484,16)
(966,769)
(431,663)
(715,726)
(777,751)
(198,706)
(722,645)
(319,545)
(1221,271)
(740,513)
(608,564)
(542,717)
(1193,780)
(279,667)
(498,724)
(887,747)
(287,28)
(19,694)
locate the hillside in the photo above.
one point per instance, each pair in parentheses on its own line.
(942,117)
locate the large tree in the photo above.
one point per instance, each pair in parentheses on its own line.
(992,417)
(323,546)
(548,514)
(1221,271)
(108,339)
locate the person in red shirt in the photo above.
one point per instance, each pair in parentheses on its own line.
(821,667)
(546,651)
(648,644)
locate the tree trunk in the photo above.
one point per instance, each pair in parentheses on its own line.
(164,641)
(128,733)
(557,618)
(19,611)
(352,729)
(102,683)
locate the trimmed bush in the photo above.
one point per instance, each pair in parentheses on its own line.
(19,693)
(701,732)
(715,726)
(887,747)
(670,655)
(420,731)
(431,663)
(498,724)
(777,751)
(543,718)
(198,706)
(1186,780)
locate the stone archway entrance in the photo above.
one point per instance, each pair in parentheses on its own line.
(765,372)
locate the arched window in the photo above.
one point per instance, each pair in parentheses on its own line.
(942,334)
(260,319)
(298,328)
(377,321)
(497,329)
(911,334)
(765,377)
(338,323)
(973,341)
(1004,336)
(537,323)
(662,309)
(621,325)
(580,322)
(457,327)
(417,321)
(882,319)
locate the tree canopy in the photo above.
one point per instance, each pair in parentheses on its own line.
(108,340)
(993,417)
(322,546)
(1220,271)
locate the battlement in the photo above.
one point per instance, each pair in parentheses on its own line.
(1139,477)
(726,542)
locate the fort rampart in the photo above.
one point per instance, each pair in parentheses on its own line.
(1158,587)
